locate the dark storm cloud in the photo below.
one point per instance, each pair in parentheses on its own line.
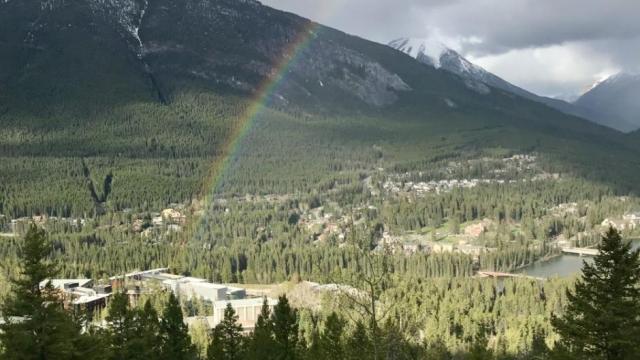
(377,20)
(602,36)
(507,24)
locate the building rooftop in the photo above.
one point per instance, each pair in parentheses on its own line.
(188,279)
(60,283)
(140,273)
(161,276)
(221,304)
(210,285)
(87,299)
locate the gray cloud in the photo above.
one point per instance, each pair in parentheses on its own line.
(507,24)
(517,39)
(380,21)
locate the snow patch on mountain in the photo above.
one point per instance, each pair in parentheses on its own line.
(615,100)
(127,13)
(620,77)
(436,54)
(135,28)
(598,82)
(421,48)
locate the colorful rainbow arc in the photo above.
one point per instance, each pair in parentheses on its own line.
(256,106)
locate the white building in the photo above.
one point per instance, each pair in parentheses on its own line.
(63,284)
(79,292)
(247,310)
(185,286)
(200,289)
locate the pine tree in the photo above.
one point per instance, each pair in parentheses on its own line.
(437,351)
(479,349)
(602,320)
(215,350)
(314,351)
(285,330)
(539,349)
(358,345)
(227,340)
(132,333)
(120,326)
(262,340)
(149,329)
(174,335)
(331,340)
(36,325)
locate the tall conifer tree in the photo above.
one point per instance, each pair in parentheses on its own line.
(174,334)
(36,325)
(602,320)
(285,329)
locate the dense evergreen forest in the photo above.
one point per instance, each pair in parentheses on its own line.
(390,319)
(152,166)
(279,213)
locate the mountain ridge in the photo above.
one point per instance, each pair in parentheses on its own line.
(615,98)
(450,60)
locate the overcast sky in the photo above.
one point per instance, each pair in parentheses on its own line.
(550,47)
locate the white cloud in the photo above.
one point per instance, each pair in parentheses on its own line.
(552,70)
(547,46)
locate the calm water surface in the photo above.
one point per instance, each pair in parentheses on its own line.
(562,266)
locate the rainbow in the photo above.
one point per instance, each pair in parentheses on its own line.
(259,101)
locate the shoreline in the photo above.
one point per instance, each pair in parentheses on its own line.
(540,260)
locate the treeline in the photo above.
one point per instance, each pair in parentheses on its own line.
(161,154)
(522,202)
(103,255)
(157,154)
(267,241)
(403,319)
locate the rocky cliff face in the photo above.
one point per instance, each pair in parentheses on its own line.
(239,44)
(231,44)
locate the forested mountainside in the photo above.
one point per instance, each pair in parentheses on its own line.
(149,92)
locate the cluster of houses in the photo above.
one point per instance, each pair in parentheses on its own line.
(521,163)
(422,188)
(400,244)
(324,225)
(628,222)
(83,294)
(442,186)
(173,219)
(21,225)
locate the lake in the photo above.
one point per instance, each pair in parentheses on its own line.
(561,266)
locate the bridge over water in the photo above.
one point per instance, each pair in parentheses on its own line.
(581,251)
(497,275)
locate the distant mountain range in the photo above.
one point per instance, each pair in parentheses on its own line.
(615,112)
(616,98)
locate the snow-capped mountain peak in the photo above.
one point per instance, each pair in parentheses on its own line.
(438,55)
(421,48)
(612,80)
(600,81)
(615,99)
